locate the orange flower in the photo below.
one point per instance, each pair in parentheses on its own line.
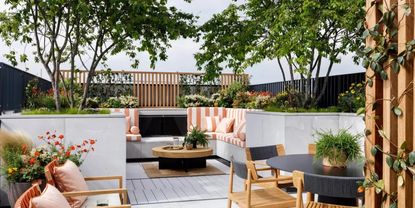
(68,153)
(72,147)
(60,136)
(32,161)
(57,143)
(37,154)
(361,189)
(91,141)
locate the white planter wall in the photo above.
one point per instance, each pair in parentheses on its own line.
(296,130)
(109,157)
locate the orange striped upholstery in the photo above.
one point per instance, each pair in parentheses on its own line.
(50,172)
(238,114)
(24,200)
(229,138)
(133,113)
(196,114)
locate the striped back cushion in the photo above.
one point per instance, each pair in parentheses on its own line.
(238,114)
(209,123)
(195,115)
(129,112)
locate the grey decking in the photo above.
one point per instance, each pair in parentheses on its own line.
(145,191)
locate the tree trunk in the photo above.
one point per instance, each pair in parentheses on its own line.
(282,70)
(86,89)
(326,80)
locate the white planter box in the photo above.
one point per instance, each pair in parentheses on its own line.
(296,130)
(109,157)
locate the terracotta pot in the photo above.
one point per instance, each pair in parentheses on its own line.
(189,146)
(15,190)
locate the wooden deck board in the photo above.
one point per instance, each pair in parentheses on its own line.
(143,190)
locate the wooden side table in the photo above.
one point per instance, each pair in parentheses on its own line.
(170,158)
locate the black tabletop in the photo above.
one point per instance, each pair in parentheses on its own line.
(306,163)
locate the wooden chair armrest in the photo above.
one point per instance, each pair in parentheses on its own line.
(106,178)
(263,169)
(261,163)
(94,192)
(267,180)
(101,178)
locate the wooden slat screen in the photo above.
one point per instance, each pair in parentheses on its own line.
(398,129)
(159,89)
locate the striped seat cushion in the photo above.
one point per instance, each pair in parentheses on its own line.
(195,115)
(229,138)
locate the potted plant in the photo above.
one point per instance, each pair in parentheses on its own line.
(195,137)
(22,163)
(18,168)
(336,150)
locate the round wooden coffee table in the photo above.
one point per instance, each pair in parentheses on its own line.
(170,158)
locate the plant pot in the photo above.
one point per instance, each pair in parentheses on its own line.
(339,159)
(189,146)
(15,190)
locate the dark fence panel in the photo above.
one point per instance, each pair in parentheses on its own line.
(12,87)
(336,85)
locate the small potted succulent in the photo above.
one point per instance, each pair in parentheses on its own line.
(195,137)
(336,150)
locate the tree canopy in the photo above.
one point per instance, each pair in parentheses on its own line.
(303,33)
(84,33)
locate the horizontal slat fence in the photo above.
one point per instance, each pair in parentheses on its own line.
(336,85)
(159,89)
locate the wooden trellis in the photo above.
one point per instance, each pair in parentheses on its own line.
(159,89)
(398,129)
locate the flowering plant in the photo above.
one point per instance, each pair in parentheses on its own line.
(353,98)
(54,144)
(23,162)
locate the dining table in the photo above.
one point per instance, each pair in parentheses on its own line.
(308,164)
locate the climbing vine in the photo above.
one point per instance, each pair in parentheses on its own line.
(381,57)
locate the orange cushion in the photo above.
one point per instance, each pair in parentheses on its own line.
(50,197)
(240,131)
(209,123)
(127,124)
(225,125)
(68,178)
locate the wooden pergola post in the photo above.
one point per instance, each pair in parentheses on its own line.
(399,129)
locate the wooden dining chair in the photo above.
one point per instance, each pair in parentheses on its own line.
(122,192)
(264,197)
(329,186)
(312,149)
(256,154)
(24,200)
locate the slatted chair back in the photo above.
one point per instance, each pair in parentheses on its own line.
(50,172)
(24,200)
(264,152)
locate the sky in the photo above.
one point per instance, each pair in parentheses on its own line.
(180,55)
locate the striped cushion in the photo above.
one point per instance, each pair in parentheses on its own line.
(212,135)
(229,138)
(225,125)
(238,114)
(240,131)
(133,115)
(127,124)
(195,115)
(209,123)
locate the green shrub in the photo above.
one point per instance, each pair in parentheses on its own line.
(228,95)
(121,102)
(194,101)
(336,146)
(352,99)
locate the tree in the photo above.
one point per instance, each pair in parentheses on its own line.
(84,33)
(302,33)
